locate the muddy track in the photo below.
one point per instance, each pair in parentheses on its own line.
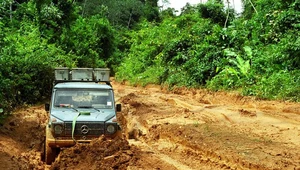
(182,129)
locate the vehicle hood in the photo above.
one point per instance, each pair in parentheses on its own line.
(70,115)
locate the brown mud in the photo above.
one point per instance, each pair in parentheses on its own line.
(180,129)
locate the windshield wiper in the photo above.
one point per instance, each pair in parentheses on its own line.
(86,107)
(89,107)
(97,109)
(74,109)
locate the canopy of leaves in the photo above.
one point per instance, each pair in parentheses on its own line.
(194,49)
(41,35)
(125,13)
(207,45)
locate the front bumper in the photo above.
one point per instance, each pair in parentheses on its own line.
(60,142)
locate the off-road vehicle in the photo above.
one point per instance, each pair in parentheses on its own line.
(82,108)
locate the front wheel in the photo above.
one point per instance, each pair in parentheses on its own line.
(50,153)
(119,134)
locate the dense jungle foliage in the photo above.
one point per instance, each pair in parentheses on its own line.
(206,46)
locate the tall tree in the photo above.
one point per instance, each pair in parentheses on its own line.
(214,10)
(125,13)
(7,10)
(54,15)
(151,10)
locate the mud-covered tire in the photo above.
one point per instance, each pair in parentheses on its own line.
(50,153)
(119,134)
(43,150)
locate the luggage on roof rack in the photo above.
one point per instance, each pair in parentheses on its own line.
(64,74)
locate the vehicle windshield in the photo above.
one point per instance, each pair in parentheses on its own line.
(83,98)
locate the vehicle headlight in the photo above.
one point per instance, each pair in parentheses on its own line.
(111,129)
(58,129)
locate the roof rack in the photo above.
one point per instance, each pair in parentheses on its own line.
(64,74)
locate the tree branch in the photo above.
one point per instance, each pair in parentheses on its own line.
(253,6)
(227,14)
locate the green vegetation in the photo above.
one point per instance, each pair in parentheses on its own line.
(207,46)
(256,53)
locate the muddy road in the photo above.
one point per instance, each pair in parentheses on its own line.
(180,129)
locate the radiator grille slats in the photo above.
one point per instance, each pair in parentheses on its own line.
(85,128)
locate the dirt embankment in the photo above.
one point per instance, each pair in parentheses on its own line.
(183,129)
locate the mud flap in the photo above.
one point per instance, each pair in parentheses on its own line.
(49,153)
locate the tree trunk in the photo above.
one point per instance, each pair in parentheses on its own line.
(10,11)
(130,16)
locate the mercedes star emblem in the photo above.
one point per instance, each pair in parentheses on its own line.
(84,129)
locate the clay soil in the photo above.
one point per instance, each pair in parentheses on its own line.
(179,129)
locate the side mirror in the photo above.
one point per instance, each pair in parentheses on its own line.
(47,107)
(118,107)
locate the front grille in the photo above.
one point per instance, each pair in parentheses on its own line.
(85,129)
